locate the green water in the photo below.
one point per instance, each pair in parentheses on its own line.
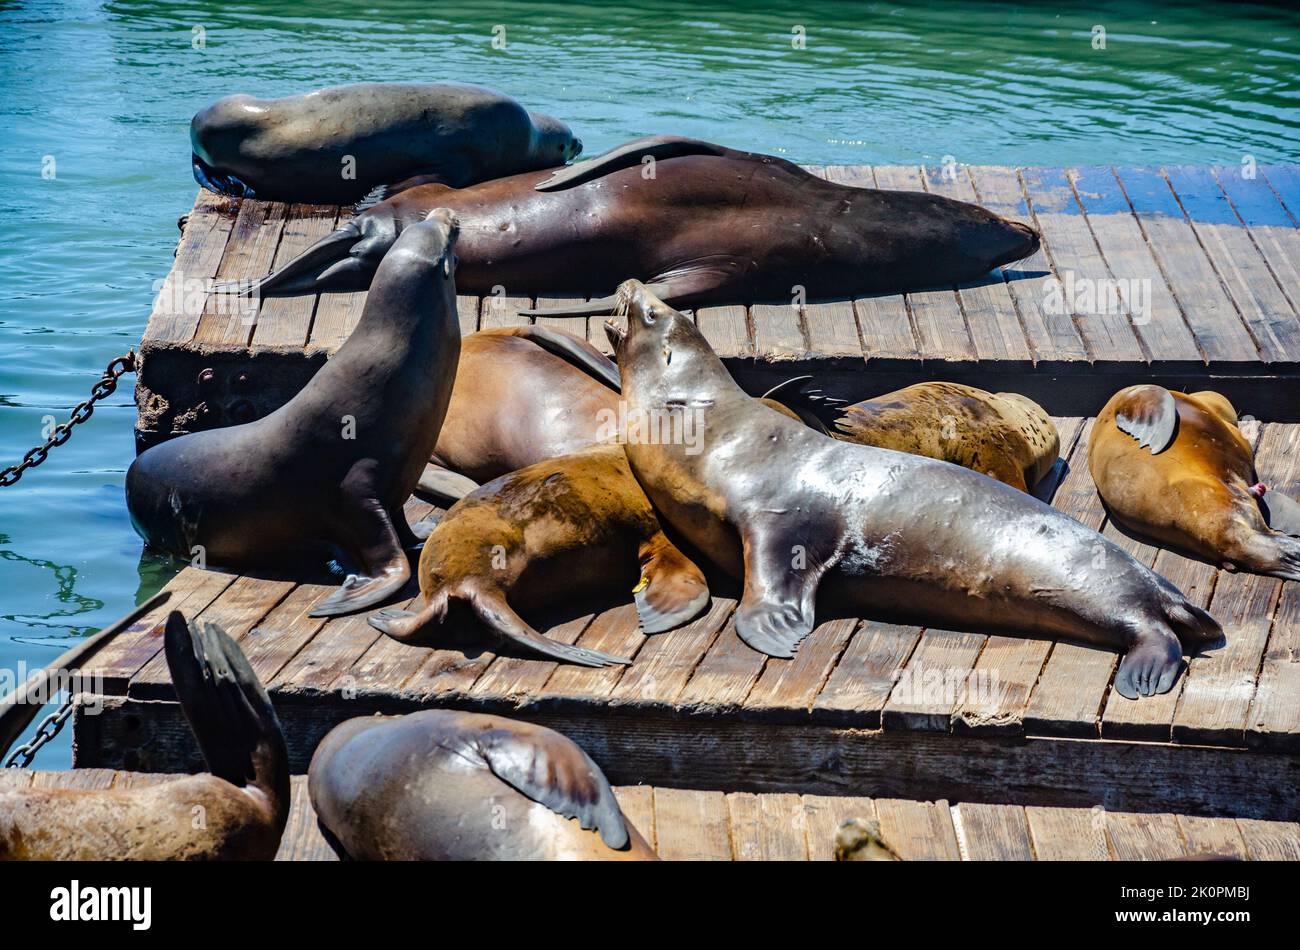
(107,91)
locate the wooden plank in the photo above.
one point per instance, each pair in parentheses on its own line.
(1214,321)
(725,676)
(467,311)
(823,815)
(667,660)
(986,303)
(500,310)
(284,631)
(574,325)
(1274,720)
(1142,295)
(302,839)
(1068,834)
(1261,301)
(1051,333)
(250,249)
(831,328)
(790,686)
(15,780)
(1270,840)
(1072,250)
(918,831)
(517,680)
(692,826)
(778,331)
(767,827)
(1212,836)
(857,689)
(1285,181)
(615,631)
(286,321)
(336,317)
(637,803)
(184,294)
(933,682)
(319,667)
(993,832)
(727,330)
(1144,837)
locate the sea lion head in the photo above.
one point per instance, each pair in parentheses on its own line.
(555,141)
(659,343)
(217,134)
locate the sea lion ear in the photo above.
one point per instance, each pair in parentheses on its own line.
(553,771)
(1149,414)
(1281,512)
(626,156)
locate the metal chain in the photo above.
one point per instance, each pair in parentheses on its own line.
(50,727)
(103,388)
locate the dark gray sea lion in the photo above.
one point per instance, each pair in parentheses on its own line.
(711,225)
(332,468)
(334,145)
(1176,468)
(792,512)
(236,810)
(441,785)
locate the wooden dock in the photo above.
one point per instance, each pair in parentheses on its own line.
(1217,256)
(864,707)
(686,825)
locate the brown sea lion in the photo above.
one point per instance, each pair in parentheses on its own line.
(580,524)
(333,467)
(1003,435)
(237,810)
(334,145)
(858,839)
(792,513)
(441,785)
(704,224)
(1176,468)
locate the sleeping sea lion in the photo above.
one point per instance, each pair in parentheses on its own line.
(236,810)
(705,225)
(332,146)
(1003,435)
(1176,468)
(441,785)
(332,467)
(792,512)
(580,524)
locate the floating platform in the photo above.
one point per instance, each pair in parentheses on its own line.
(864,707)
(686,825)
(1216,256)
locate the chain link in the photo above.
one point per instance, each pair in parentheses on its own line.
(103,388)
(50,727)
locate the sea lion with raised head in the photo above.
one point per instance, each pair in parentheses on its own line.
(333,146)
(441,785)
(242,800)
(794,514)
(711,225)
(1003,435)
(1176,468)
(332,467)
(580,524)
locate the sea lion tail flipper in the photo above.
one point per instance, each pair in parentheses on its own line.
(323,266)
(414,627)
(1149,414)
(813,407)
(227,708)
(554,771)
(578,352)
(1281,512)
(626,156)
(777,607)
(602,306)
(444,485)
(497,615)
(672,590)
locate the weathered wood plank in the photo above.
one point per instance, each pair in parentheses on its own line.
(302,839)
(250,249)
(933,682)
(727,330)
(1212,836)
(778,331)
(1270,840)
(1144,837)
(725,676)
(790,686)
(286,321)
(692,826)
(184,293)
(767,827)
(1274,720)
(638,805)
(857,689)
(918,831)
(823,815)
(993,832)
(1068,834)
(667,660)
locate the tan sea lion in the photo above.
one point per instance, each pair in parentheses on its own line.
(794,513)
(237,810)
(330,469)
(858,839)
(332,146)
(441,785)
(1003,435)
(579,524)
(1176,468)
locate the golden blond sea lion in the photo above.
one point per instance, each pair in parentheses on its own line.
(1176,468)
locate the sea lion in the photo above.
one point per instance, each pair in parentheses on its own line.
(332,146)
(332,467)
(1003,435)
(790,511)
(859,839)
(711,225)
(441,785)
(580,524)
(1176,468)
(237,810)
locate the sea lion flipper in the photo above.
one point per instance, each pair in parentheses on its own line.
(813,407)
(672,590)
(596,307)
(1149,414)
(445,485)
(554,771)
(579,353)
(498,616)
(776,609)
(625,156)
(1281,512)
(370,536)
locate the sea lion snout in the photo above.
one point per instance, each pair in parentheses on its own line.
(1023,241)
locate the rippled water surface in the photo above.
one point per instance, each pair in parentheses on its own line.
(105,92)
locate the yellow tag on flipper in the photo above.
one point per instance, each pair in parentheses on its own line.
(641,585)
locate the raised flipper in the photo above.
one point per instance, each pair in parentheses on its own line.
(672,590)
(601,306)
(627,155)
(1281,512)
(813,407)
(1149,414)
(444,485)
(369,535)
(553,771)
(345,260)
(579,353)
(782,572)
